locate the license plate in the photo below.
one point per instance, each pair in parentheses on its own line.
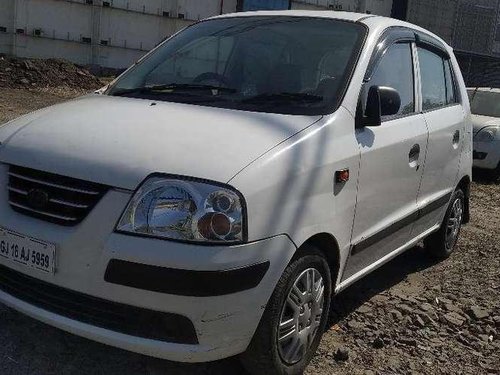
(27,251)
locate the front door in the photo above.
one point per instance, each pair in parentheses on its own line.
(392,160)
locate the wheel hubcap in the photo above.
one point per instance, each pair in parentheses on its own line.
(301,316)
(454,223)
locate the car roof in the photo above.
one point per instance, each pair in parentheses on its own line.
(370,20)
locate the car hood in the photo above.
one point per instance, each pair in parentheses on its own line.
(479,122)
(120,141)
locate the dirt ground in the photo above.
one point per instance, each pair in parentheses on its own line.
(412,316)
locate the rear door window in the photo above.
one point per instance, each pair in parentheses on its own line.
(432,73)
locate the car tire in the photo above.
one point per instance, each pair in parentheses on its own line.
(441,244)
(274,347)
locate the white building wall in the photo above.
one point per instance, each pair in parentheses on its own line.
(111,33)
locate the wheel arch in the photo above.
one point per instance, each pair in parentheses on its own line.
(327,244)
(464,185)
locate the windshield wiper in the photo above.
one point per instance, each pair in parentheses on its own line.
(174,88)
(284,97)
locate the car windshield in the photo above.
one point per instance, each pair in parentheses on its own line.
(293,65)
(486,103)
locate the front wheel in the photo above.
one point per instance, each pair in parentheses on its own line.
(442,243)
(294,320)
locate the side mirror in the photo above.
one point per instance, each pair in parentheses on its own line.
(381,101)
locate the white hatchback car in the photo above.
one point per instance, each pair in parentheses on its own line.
(485,108)
(211,201)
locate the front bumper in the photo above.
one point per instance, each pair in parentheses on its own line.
(224,316)
(486,154)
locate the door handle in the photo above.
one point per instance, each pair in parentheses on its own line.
(456,138)
(414,154)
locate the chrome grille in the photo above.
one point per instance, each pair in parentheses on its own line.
(50,197)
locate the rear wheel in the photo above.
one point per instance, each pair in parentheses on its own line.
(294,320)
(442,243)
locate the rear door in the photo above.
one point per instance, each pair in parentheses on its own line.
(392,157)
(445,119)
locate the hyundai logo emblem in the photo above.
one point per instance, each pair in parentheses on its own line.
(38,199)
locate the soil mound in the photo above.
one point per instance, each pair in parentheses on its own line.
(39,73)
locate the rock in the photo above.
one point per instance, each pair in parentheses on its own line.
(407,341)
(380,299)
(396,315)
(485,338)
(342,354)
(393,363)
(427,319)
(443,301)
(454,318)
(426,307)
(496,320)
(452,307)
(408,320)
(28,65)
(378,343)
(463,340)
(478,313)
(405,308)
(24,81)
(364,309)
(419,322)
(354,324)
(436,342)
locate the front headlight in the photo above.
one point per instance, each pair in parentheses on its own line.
(488,134)
(186,210)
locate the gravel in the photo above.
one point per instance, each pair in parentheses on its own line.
(412,316)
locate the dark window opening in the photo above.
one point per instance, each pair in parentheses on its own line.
(20,31)
(180,16)
(166,14)
(86,40)
(89,2)
(104,42)
(3,29)
(37,32)
(106,4)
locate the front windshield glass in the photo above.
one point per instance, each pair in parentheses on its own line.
(292,65)
(486,103)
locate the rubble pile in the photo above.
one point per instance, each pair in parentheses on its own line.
(39,73)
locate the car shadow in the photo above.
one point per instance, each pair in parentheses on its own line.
(378,281)
(483,177)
